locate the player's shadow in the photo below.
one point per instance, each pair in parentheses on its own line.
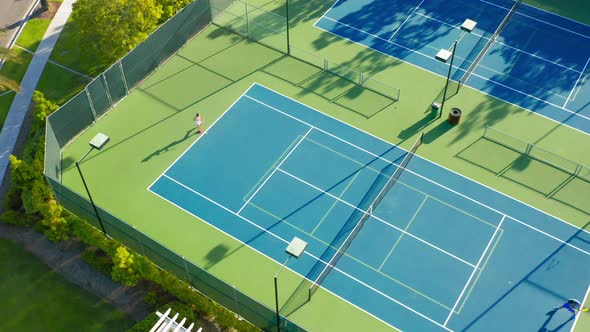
(550,315)
(169,146)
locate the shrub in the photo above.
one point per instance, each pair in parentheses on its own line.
(98,259)
(125,269)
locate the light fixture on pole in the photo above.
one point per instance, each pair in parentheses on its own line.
(444,55)
(295,248)
(98,142)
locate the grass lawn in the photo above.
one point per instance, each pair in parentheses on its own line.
(59,84)
(35,298)
(5,102)
(33,33)
(14,71)
(68,52)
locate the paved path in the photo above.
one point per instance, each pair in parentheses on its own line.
(13,14)
(13,124)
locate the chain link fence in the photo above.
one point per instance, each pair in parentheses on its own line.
(110,87)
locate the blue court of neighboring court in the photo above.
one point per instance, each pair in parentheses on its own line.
(540,61)
(439,253)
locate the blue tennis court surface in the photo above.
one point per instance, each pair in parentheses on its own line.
(439,253)
(539,61)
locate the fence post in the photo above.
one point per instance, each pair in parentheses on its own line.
(578,170)
(188,276)
(236,303)
(90,103)
(139,241)
(247,22)
(529,147)
(123,78)
(107,91)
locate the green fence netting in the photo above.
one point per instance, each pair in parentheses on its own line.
(71,119)
(164,42)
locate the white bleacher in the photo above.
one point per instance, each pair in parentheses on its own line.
(167,324)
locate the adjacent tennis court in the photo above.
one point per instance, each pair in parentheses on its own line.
(518,53)
(433,251)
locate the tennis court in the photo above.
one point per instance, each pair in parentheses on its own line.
(518,53)
(436,252)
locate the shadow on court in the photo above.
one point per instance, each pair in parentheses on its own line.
(550,176)
(529,281)
(171,145)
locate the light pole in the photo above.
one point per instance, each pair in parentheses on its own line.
(443,55)
(295,248)
(98,142)
(287,20)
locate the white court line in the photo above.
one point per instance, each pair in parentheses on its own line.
(204,132)
(577,81)
(327,11)
(539,20)
(425,178)
(495,41)
(474,271)
(472,74)
(274,170)
(406,20)
(377,218)
(372,35)
(467,85)
(305,252)
(389,161)
(584,303)
(533,97)
(268,257)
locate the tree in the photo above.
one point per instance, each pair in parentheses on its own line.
(110,29)
(44,5)
(9,56)
(171,7)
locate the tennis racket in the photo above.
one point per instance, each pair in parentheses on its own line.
(585,309)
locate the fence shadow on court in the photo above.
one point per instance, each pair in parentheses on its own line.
(545,173)
(301,295)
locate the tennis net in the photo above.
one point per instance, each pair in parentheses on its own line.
(487,46)
(368,212)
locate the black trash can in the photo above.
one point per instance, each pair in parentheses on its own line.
(454,116)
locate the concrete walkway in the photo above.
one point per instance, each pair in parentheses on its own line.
(13,15)
(14,121)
